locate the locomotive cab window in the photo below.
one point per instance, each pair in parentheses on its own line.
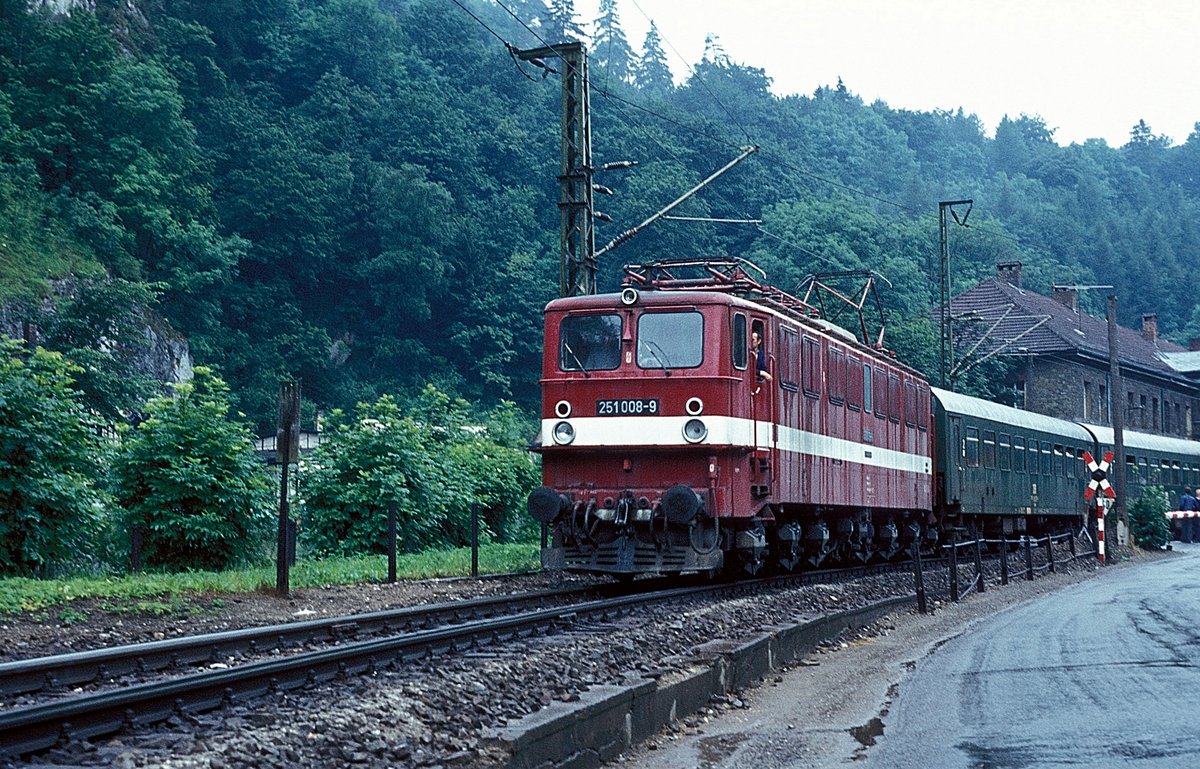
(589,343)
(741,349)
(668,340)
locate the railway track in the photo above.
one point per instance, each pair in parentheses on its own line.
(398,638)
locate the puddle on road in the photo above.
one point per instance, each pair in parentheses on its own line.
(868,732)
(716,748)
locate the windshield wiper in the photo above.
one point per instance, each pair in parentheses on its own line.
(650,347)
(578,362)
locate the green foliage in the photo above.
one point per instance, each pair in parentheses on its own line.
(51,457)
(1147,518)
(188,476)
(430,461)
(154,593)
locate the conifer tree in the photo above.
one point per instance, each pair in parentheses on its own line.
(560,22)
(651,74)
(610,48)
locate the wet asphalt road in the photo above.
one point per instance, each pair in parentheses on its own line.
(1105,674)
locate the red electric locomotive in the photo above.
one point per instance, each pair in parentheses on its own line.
(665,449)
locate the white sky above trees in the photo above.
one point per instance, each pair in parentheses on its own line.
(1089,68)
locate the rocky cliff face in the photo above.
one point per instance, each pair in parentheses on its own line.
(160,352)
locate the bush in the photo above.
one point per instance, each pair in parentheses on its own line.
(51,455)
(188,475)
(431,462)
(1148,519)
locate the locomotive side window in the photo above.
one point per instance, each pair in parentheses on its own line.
(881,393)
(922,409)
(810,366)
(740,344)
(670,340)
(911,415)
(789,358)
(589,343)
(836,378)
(894,398)
(1018,464)
(866,384)
(971,448)
(854,382)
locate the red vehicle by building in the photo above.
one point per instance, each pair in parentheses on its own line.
(663,449)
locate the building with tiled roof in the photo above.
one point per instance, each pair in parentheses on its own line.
(1062,357)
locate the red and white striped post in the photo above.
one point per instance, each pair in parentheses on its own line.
(1100,533)
(1099,488)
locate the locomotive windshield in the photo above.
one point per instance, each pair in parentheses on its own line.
(590,343)
(670,340)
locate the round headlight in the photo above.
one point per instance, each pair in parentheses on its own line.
(629,296)
(694,431)
(694,407)
(563,433)
(562,409)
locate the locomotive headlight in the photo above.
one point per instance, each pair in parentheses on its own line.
(562,409)
(564,433)
(694,431)
(694,407)
(629,296)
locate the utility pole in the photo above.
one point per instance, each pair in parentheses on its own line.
(946,354)
(576,207)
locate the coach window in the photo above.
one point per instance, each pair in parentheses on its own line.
(866,383)
(971,448)
(881,393)
(1144,470)
(989,448)
(835,376)
(1034,461)
(810,367)
(1018,449)
(740,345)
(1058,460)
(1131,476)
(589,343)
(1046,461)
(669,340)
(1005,452)
(1175,474)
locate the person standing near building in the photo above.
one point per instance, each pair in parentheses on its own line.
(1187,523)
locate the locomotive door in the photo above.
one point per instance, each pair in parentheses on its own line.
(763,412)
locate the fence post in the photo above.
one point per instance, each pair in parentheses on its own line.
(1071,545)
(1050,551)
(475,539)
(979,563)
(954,568)
(919,577)
(391,549)
(135,547)
(1028,558)
(1003,559)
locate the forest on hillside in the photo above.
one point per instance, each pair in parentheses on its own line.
(362,194)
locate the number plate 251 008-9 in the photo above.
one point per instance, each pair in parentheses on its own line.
(627,407)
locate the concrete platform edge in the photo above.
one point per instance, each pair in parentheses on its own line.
(607,720)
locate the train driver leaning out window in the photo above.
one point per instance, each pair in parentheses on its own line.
(760,358)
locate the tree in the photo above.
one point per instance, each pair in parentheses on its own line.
(52,455)
(1148,519)
(651,73)
(610,48)
(560,23)
(189,477)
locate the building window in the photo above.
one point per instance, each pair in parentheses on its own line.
(1103,405)
(1142,407)
(1154,415)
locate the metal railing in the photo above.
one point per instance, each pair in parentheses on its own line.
(1006,547)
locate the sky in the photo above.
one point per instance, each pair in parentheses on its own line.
(1089,68)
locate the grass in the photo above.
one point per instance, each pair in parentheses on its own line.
(142,593)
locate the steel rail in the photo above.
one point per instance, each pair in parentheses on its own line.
(81,668)
(31,729)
